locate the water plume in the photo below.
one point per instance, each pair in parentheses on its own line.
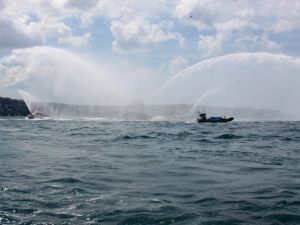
(243,80)
(54,75)
(257,80)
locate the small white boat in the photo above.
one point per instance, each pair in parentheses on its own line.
(36,115)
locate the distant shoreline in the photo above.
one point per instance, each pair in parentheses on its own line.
(139,111)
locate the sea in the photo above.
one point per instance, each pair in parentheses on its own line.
(94,171)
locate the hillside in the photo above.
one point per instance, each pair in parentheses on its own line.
(13,107)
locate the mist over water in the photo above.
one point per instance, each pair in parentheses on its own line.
(256,80)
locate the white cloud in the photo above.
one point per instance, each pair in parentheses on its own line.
(210,45)
(239,25)
(81,5)
(177,64)
(235,24)
(28,23)
(198,13)
(136,25)
(44,18)
(284,25)
(133,34)
(76,41)
(12,36)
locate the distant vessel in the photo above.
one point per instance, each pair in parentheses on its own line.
(36,115)
(202,119)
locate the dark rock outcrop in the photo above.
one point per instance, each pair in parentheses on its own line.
(13,107)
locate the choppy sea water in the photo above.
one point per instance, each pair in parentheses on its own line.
(101,172)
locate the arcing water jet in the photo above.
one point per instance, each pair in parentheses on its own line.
(55,75)
(256,80)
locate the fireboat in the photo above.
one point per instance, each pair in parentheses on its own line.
(214,119)
(36,115)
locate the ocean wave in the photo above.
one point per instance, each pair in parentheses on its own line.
(149,173)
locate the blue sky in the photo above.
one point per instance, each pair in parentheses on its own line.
(158,38)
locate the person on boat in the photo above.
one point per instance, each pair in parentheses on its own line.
(202,116)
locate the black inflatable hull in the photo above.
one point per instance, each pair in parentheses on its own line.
(215,121)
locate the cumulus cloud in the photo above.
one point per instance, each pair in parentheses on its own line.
(138,33)
(82,5)
(177,64)
(37,21)
(29,23)
(284,25)
(211,45)
(12,36)
(242,25)
(76,41)
(198,13)
(222,26)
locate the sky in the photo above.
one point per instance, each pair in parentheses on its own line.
(140,43)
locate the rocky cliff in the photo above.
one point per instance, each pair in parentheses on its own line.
(13,107)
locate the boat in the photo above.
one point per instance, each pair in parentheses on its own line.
(36,115)
(214,119)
